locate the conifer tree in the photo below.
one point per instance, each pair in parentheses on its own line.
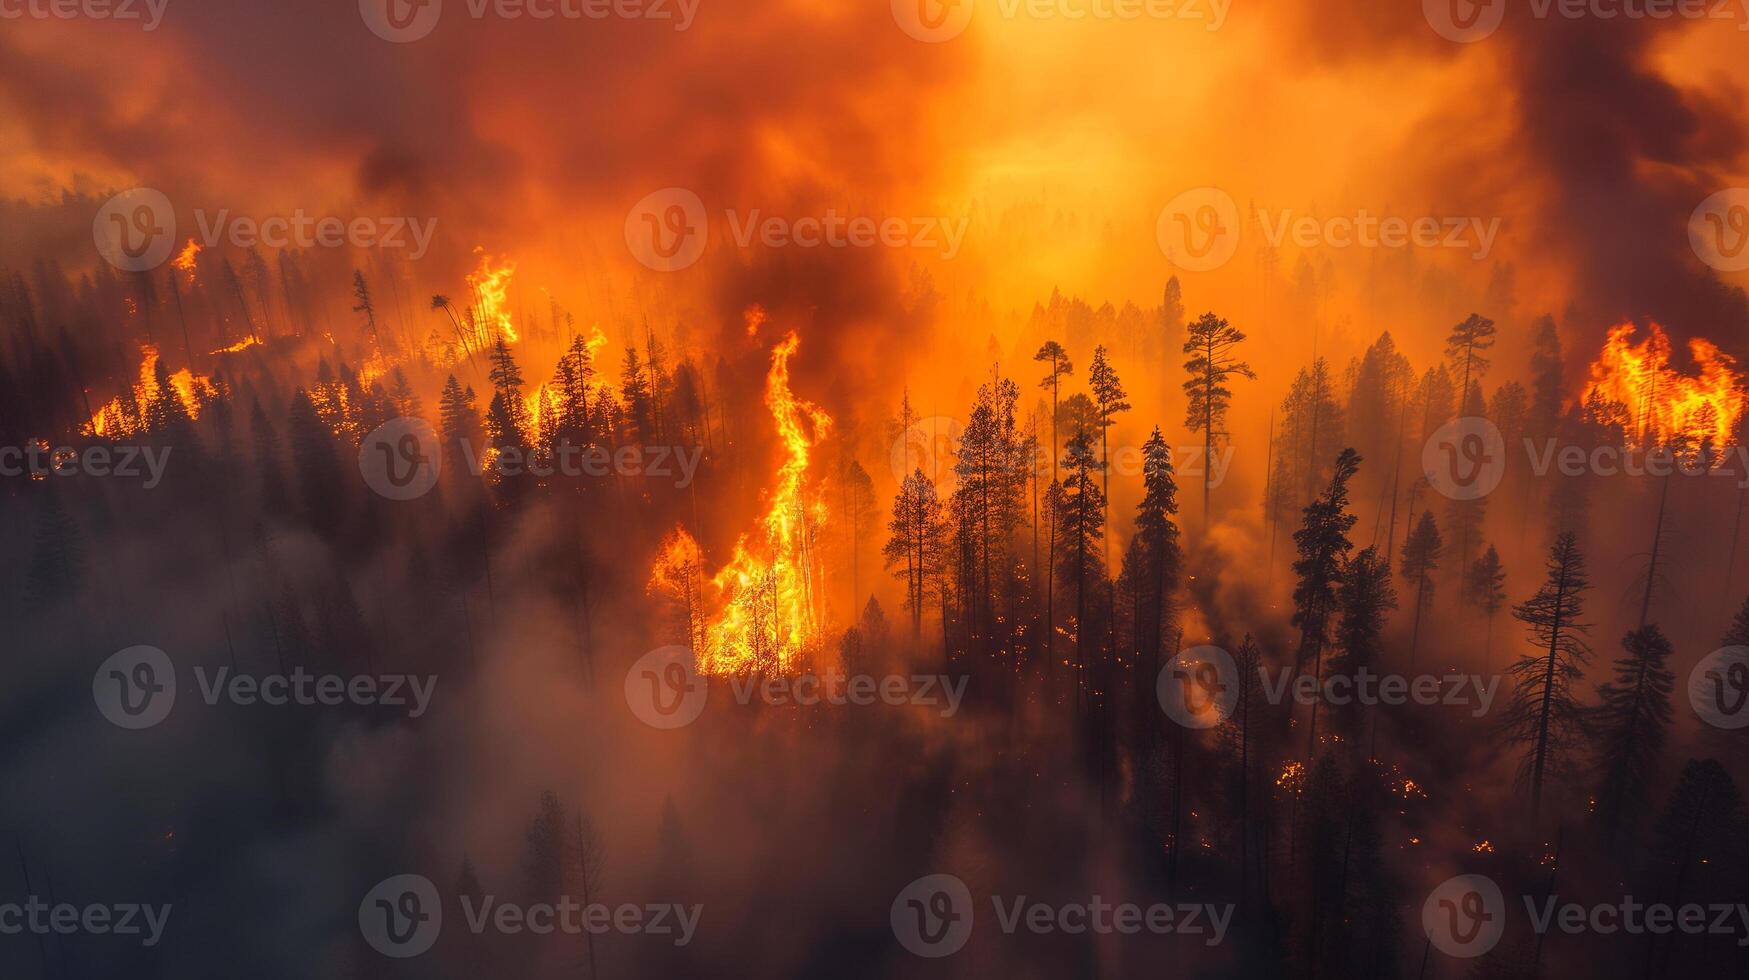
(1211,343)
(1323,547)
(1487,592)
(1544,715)
(1422,552)
(1630,725)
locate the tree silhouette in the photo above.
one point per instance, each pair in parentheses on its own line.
(1487,591)
(1544,713)
(1421,555)
(1323,546)
(1210,342)
(1630,726)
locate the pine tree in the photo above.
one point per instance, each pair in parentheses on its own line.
(57,555)
(1487,591)
(1210,342)
(1366,597)
(1631,724)
(458,422)
(314,460)
(1697,857)
(1545,715)
(914,543)
(1052,354)
(635,390)
(1323,547)
(1422,552)
(1108,397)
(1151,571)
(363,304)
(1079,505)
(545,857)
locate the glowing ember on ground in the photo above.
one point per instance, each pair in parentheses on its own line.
(762,608)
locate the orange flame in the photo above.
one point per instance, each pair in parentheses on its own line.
(492,286)
(1663,405)
(184,261)
(766,598)
(119,420)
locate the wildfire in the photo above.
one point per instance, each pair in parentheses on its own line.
(238,347)
(492,287)
(761,613)
(184,261)
(1662,405)
(125,415)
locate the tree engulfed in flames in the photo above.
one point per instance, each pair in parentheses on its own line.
(126,414)
(761,613)
(492,286)
(1663,406)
